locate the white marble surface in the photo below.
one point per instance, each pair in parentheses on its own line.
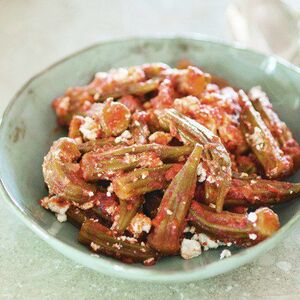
(36,33)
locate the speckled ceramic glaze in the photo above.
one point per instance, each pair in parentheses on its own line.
(28,129)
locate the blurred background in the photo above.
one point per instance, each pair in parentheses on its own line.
(36,33)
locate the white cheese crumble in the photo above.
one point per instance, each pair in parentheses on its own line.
(190,249)
(95,246)
(58,206)
(169,212)
(257,139)
(64,103)
(252,217)
(244,175)
(225,254)
(149,261)
(110,190)
(144,174)
(86,205)
(127,238)
(252,236)
(89,129)
(126,135)
(190,229)
(205,241)
(140,223)
(201,173)
(111,210)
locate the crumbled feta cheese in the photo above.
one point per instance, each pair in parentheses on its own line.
(110,190)
(210,179)
(91,194)
(190,229)
(61,217)
(169,212)
(95,246)
(140,223)
(190,249)
(149,261)
(252,236)
(101,75)
(126,135)
(201,173)
(244,175)
(97,96)
(206,242)
(225,253)
(111,210)
(87,205)
(117,246)
(90,129)
(212,205)
(252,217)
(145,174)
(58,206)
(257,139)
(129,239)
(64,104)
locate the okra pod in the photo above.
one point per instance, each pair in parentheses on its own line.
(278,128)
(107,164)
(115,118)
(170,220)
(95,145)
(102,240)
(139,128)
(63,175)
(263,105)
(215,159)
(128,209)
(261,141)
(256,192)
(96,167)
(165,153)
(145,180)
(240,229)
(154,69)
(134,88)
(78,216)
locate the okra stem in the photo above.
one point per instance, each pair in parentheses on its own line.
(96,144)
(170,220)
(215,158)
(145,180)
(62,174)
(128,209)
(241,229)
(261,141)
(102,240)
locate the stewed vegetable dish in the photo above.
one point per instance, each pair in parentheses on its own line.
(163,161)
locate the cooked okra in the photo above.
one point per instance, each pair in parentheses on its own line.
(158,159)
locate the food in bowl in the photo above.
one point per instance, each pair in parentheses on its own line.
(162,161)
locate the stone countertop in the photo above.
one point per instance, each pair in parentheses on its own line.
(34,34)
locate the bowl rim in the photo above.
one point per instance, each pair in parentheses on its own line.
(119,269)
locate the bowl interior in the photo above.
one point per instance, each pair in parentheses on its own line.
(29,128)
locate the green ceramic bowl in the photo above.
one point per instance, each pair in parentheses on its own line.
(28,129)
